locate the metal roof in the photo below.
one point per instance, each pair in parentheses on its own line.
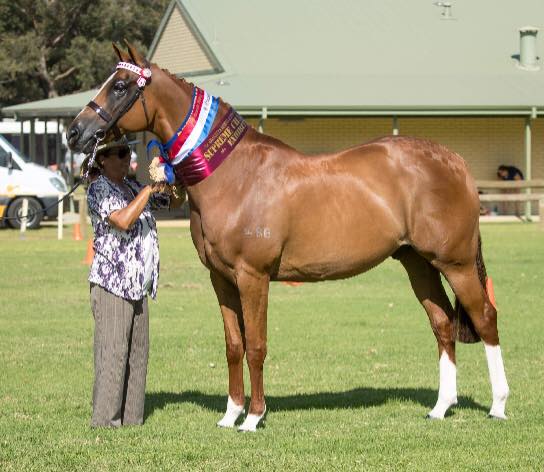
(361,57)
(65,106)
(367,54)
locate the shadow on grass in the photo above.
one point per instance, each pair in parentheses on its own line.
(356,398)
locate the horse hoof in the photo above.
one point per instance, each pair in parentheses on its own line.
(251,422)
(498,417)
(431,417)
(227,422)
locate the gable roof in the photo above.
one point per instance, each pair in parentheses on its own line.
(179,44)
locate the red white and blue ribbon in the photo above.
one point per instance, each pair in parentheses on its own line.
(197,128)
(213,151)
(191,134)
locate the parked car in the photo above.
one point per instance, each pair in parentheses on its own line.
(20,179)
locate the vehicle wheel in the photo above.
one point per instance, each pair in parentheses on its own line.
(34,213)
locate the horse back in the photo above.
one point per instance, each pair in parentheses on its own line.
(333,215)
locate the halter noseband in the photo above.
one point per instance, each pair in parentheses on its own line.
(144,76)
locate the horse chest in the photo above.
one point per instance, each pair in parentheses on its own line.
(212,254)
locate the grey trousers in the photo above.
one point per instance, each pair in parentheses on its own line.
(121,350)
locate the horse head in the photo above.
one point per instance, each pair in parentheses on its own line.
(112,112)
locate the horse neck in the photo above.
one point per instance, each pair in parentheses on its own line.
(173,98)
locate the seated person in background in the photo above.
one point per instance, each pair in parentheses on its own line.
(505,172)
(509,173)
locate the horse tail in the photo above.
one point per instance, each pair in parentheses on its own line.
(466,333)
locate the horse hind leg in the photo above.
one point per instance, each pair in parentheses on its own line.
(427,286)
(468,288)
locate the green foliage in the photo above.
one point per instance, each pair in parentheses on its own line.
(56,47)
(350,374)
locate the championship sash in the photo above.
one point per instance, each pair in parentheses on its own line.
(194,151)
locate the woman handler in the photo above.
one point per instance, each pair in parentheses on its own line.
(125,269)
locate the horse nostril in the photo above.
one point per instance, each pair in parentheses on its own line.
(73,135)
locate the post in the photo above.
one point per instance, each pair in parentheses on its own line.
(264,116)
(24,217)
(22,142)
(528,164)
(60,217)
(45,145)
(541,213)
(395,125)
(58,159)
(32,146)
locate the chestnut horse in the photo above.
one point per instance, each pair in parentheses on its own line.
(269,213)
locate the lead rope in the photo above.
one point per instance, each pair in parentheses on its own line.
(99,137)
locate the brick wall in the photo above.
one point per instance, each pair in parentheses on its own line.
(485,143)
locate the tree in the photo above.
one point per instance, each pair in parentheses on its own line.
(55,47)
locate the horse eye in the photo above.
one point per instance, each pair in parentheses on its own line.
(120,87)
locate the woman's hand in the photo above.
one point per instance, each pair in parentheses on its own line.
(160,187)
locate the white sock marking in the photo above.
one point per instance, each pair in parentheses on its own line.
(447,392)
(499,385)
(231,415)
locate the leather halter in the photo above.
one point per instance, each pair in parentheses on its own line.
(144,77)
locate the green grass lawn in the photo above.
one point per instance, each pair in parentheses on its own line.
(350,375)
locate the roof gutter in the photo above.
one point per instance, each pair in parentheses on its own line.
(532,112)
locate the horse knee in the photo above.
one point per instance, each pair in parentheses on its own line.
(256,355)
(235,352)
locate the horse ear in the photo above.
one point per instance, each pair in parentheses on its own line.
(123,56)
(137,58)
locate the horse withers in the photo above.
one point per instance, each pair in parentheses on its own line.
(261,211)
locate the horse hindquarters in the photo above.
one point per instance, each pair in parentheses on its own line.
(427,286)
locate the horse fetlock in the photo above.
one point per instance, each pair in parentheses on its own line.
(499,403)
(442,406)
(498,409)
(502,394)
(233,412)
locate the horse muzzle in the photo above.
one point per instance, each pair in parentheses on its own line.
(82,138)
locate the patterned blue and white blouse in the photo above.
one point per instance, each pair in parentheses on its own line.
(120,256)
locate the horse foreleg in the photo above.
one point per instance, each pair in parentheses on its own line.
(427,286)
(254,296)
(231,309)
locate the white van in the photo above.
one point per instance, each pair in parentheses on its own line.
(20,178)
